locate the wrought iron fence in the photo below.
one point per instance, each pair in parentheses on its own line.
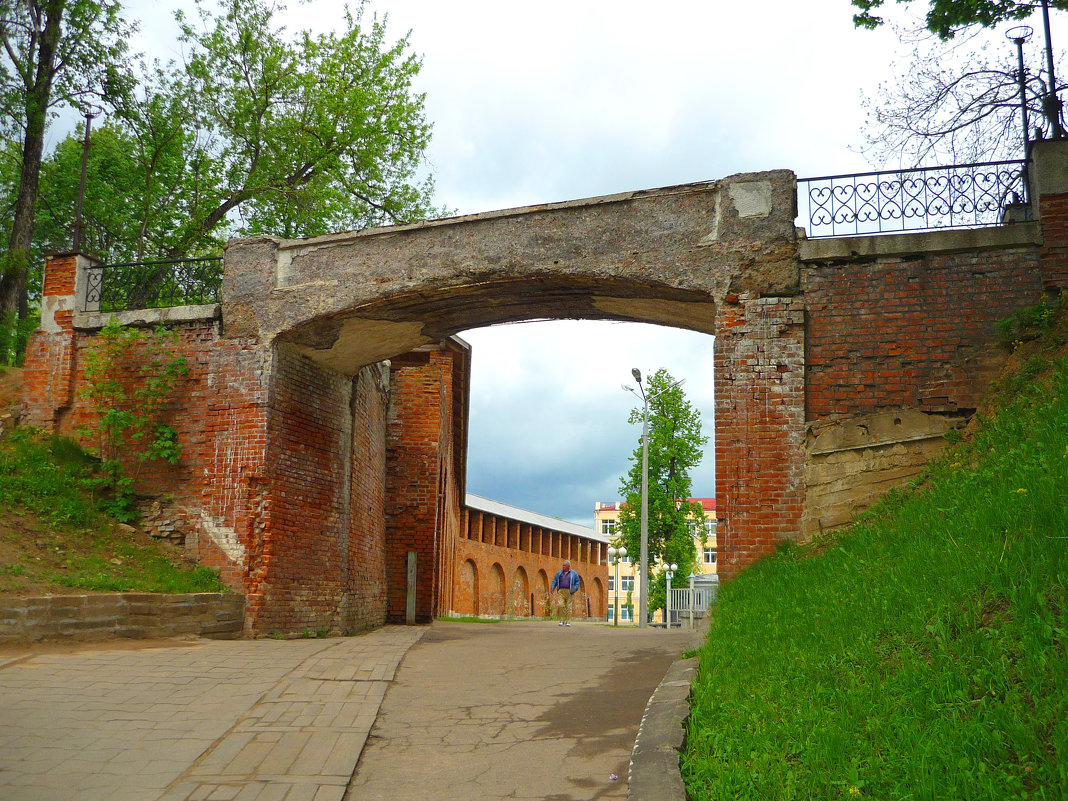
(923,199)
(153,284)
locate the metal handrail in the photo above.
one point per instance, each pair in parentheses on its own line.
(153,284)
(919,199)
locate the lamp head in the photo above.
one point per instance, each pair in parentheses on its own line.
(637,374)
(1019,34)
(622,551)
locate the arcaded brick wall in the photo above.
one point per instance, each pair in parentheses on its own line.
(915,332)
(504,568)
(760,422)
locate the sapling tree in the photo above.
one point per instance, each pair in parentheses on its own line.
(676,446)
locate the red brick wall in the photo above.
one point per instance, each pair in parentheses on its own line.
(499,580)
(366,599)
(424,469)
(1053,210)
(760,424)
(282,470)
(916,332)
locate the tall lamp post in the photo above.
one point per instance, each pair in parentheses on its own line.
(643,576)
(615,556)
(1019,35)
(669,572)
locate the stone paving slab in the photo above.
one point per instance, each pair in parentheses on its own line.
(200,720)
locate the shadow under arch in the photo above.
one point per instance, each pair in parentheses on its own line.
(386,328)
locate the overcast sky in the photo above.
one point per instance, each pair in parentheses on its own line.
(552,101)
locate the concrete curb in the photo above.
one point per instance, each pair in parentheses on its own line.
(654,762)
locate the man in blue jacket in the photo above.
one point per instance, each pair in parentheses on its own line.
(565,584)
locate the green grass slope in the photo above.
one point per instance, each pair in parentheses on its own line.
(923,652)
(57,537)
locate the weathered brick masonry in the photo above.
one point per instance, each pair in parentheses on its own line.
(913,331)
(308,476)
(760,424)
(424,474)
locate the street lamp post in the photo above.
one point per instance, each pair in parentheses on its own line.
(1019,35)
(615,555)
(643,575)
(670,573)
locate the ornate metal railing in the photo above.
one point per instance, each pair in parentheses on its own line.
(923,199)
(153,284)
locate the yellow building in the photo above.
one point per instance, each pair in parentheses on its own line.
(606,523)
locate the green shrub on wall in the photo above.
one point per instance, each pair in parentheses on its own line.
(130,376)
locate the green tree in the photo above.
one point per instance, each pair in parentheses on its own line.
(54,53)
(307,135)
(676,446)
(946,17)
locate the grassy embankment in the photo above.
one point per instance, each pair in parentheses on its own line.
(55,538)
(922,653)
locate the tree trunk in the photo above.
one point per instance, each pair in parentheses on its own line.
(38,96)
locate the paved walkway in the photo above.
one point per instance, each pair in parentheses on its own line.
(525,711)
(513,710)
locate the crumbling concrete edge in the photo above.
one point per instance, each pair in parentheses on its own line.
(654,762)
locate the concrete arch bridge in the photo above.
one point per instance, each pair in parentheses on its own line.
(325,413)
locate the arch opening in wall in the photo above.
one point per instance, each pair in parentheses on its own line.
(497,596)
(467,601)
(519,597)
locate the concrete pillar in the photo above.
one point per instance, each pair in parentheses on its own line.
(1049,194)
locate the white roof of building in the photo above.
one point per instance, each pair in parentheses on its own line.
(525,516)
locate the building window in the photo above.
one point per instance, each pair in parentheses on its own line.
(710,527)
(710,556)
(611,612)
(691,526)
(626,560)
(608,526)
(611,583)
(626,583)
(624,613)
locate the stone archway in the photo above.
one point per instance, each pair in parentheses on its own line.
(542,605)
(598,599)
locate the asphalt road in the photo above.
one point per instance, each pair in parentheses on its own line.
(521,711)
